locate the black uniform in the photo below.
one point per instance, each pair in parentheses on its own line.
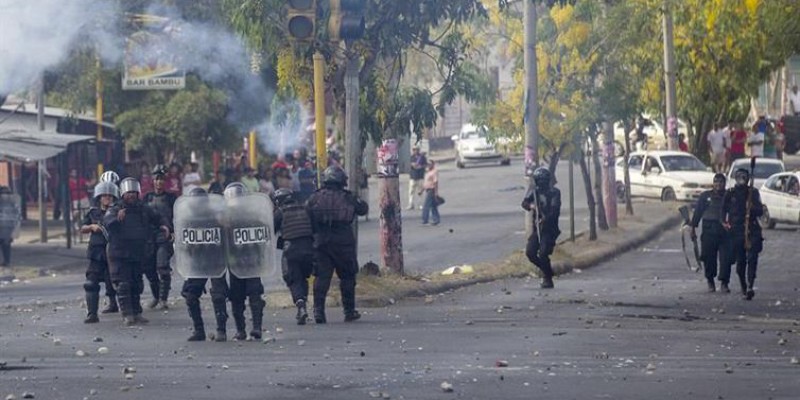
(538,249)
(734,208)
(9,215)
(297,242)
(98,264)
(332,210)
(157,269)
(246,289)
(714,240)
(127,244)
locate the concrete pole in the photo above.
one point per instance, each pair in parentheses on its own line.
(41,166)
(531,114)
(352,155)
(669,77)
(609,175)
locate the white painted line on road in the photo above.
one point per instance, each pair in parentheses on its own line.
(649,250)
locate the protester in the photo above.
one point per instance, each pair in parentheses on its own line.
(717,146)
(738,138)
(191,179)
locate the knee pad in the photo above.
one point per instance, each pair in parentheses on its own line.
(254,287)
(191,299)
(217,297)
(91,286)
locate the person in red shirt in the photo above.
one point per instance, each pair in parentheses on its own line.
(682,143)
(146,180)
(174,181)
(738,140)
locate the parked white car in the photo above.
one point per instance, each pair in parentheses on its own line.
(781,197)
(473,147)
(665,175)
(765,167)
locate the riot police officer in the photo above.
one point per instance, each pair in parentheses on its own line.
(297,242)
(714,240)
(246,257)
(332,210)
(157,269)
(105,194)
(545,202)
(746,238)
(9,222)
(129,223)
(200,256)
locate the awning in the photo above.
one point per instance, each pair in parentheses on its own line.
(26,146)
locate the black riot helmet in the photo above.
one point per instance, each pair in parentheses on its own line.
(742,177)
(542,177)
(334,176)
(198,192)
(159,170)
(235,189)
(284,196)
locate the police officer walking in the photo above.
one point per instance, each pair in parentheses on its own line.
(545,202)
(297,242)
(715,240)
(247,238)
(200,256)
(129,224)
(332,210)
(740,202)
(9,222)
(157,269)
(105,194)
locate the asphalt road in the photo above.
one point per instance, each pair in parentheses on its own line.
(640,326)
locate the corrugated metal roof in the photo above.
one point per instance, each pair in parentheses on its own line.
(24,145)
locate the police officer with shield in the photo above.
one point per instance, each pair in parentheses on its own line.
(105,194)
(249,228)
(715,241)
(741,208)
(297,242)
(545,202)
(9,222)
(200,256)
(157,269)
(332,210)
(129,224)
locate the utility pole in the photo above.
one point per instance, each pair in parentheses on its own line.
(98,112)
(41,165)
(531,113)
(609,175)
(352,155)
(669,77)
(319,114)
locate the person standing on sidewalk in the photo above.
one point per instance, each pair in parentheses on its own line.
(738,141)
(416,176)
(129,223)
(714,240)
(431,187)
(545,201)
(105,194)
(9,222)
(718,146)
(734,213)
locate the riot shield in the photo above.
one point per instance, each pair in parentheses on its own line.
(250,239)
(199,236)
(10,216)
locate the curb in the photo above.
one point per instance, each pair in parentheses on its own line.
(559,268)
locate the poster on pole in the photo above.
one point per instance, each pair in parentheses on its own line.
(388,159)
(150,60)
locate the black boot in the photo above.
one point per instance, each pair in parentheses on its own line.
(164,286)
(125,299)
(302,313)
(547,283)
(352,315)
(92,303)
(348,289)
(112,306)
(711,286)
(750,293)
(319,312)
(257,311)
(199,334)
(222,318)
(723,287)
(238,319)
(154,288)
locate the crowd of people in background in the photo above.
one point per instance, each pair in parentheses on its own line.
(727,143)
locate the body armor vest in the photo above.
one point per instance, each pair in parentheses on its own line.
(331,207)
(296,222)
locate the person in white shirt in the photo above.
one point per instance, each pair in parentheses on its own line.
(756,143)
(718,145)
(191,179)
(794,101)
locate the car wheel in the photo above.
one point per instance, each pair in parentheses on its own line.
(459,163)
(620,192)
(505,162)
(766,220)
(668,194)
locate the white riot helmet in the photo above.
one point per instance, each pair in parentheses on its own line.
(130,185)
(106,188)
(109,176)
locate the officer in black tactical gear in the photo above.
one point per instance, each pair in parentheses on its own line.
(734,211)
(544,201)
(332,210)
(297,242)
(193,288)
(9,222)
(129,224)
(241,289)
(105,194)
(715,240)
(157,269)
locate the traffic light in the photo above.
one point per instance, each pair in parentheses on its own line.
(347,19)
(301,19)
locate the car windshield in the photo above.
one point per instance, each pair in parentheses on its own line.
(480,133)
(765,170)
(682,163)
